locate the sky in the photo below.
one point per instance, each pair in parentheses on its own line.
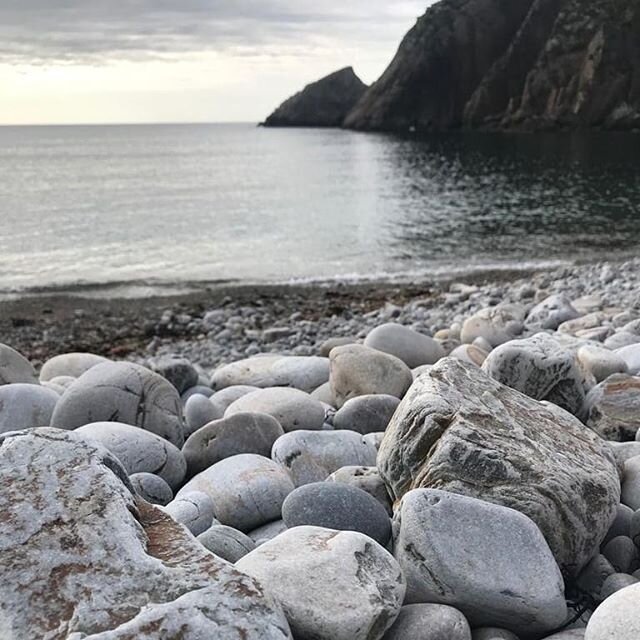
(108,61)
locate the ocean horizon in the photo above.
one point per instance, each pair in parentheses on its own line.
(166,205)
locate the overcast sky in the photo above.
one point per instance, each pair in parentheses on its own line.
(72,61)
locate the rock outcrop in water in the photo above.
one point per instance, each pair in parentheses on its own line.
(324,103)
(511,64)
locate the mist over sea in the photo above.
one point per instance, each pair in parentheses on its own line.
(182,203)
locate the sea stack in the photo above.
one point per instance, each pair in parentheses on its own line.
(324,103)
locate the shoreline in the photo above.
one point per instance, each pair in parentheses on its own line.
(252,318)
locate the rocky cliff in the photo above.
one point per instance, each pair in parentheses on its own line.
(322,104)
(512,64)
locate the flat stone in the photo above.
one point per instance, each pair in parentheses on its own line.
(613,408)
(357,370)
(15,368)
(199,411)
(413,348)
(312,456)
(151,488)
(247,490)
(429,622)
(542,369)
(337,506)
(299,372)
(460,431)
(227,543)
(69,364)
(356,591)
(139,450)
(194,509)
(237,434)
(122,392)
(510,577)
(617,618)
(82,557)
(24,406)
(366,478)
(366,414)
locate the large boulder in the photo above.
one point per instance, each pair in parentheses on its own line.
(138,450)
(324,103)
(541,368)
(489,561)
(357,370)
(82,557)
(122,392)
(247,490)
(24,406)
(460,431)
(332,585)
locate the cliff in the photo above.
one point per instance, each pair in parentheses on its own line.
(511,64)
(324,103)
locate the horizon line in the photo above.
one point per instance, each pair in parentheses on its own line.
(125,123)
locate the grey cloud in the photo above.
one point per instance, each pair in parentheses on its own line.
(44,31)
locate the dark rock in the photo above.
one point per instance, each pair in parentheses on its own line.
(324,103)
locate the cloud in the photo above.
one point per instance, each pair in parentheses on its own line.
(97,31)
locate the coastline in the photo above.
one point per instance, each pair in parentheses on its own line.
(254,318)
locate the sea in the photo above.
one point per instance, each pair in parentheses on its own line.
(144,208)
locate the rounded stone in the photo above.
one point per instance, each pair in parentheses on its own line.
(292,408)
(552,312)
(226,542)
(199,411)
(617,618)
(613,408)
(621,526)
(178,371)
(15,368)
(413,348)
(312,456)
(492,633)
(332,585)
(126,393)
(429,622)
(267,532)
(631,357)
(199,389)
(366,478)
(248,490)
(470,353)
(357,370)
(510,577)
(194,509)
(496,325)
(227,396)
(616,582)
(601,362)
(237,434)
(69,364)
(139,450)
(631,483)
(337,506)
(366,414)
(25,406)
(152,488)
(622,553)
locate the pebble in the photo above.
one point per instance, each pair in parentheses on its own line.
(267,532)
(366,478)
(178,371)
(199,411)
(194,509)
(337,506)
(293,409)
(312,456)
(356,590)
(237,434)
(552,312)
(357,370)
(15,368)
(631,357)
(226,542)
(413,348)
(151,487)
(71,365)
(366,414)
(25,406)
(247,490)
(227,396)
(429,622)
(613,408)
(601,362)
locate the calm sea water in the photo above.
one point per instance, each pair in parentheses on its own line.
(178,203)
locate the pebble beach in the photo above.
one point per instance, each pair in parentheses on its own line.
(450,459)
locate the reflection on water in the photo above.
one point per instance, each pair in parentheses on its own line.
(206,202)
